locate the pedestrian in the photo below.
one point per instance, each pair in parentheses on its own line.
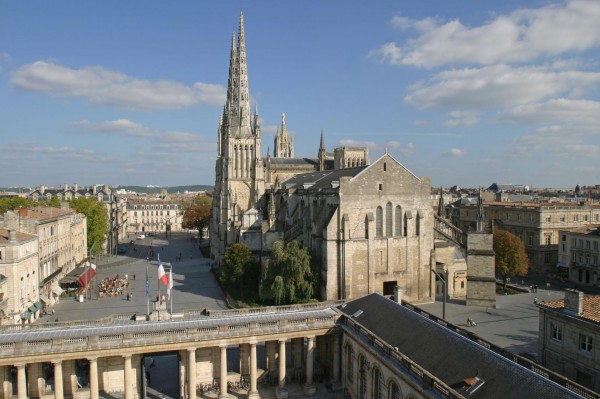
(126,277)
(133,276)
(131,296)
(52,311)
(468,322)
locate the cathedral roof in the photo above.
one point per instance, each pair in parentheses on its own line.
(323,179)
(448,355)
(294,161)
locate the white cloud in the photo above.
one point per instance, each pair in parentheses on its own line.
(59,152)
(102,86)
(453,153)
(462,118)
(5,59)
(168,141)
(498,85)
(524,35)
(589,150)
(583,113)
(375,147)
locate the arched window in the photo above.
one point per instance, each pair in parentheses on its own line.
(394,391)
(349,363)
(379,222)
(398,231)
(362,382)
(377,384)
(389,220)
(405,225)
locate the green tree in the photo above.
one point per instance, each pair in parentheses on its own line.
(197,214)
(53,202)
(97,221)
(289,277)
(511,259)
(9,204)
(238,267)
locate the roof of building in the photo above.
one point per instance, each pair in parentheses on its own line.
(293,161)
(447,355)
(19,236)
(591,307)
(323,179)
(508,204)
(591,229)
(44,212)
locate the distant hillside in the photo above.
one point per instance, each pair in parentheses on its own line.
(137,189)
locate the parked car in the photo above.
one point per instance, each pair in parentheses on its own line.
(121,250)
(141,237)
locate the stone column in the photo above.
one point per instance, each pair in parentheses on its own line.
(281,391)
(58,380)
(223,377)
(191,373)
(182,372)
(244,359)
(94,378)
(127,380)
(309,388)
(336,383)
(253,393)
(21,381)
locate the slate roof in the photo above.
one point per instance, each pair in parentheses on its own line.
(322,179)
(294,161)
(591,307)
(449,356)
(19,236)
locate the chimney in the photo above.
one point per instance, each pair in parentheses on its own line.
(75,187)
(574,301)
(12,235)
(94,189)
(42,189)
(65,187)
(397,294)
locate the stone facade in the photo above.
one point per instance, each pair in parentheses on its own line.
(579,254)
(62,243)
(19,274)
(154,216)
(569,334)
(537,224)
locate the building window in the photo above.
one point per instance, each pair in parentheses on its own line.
(362,388)
(380,186)
(530,239)
(548,219)
(405,225)
(588,244)
(585,343)
(547,258)
(576,218)
(562,218)
(548,238)
(418,224)
(389,220)
(595,245)
(377,384)
(564,237)
(398,221)
(556,332)
(379,222)
(384,167)
(349,363)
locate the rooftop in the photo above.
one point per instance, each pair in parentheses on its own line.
(591,307)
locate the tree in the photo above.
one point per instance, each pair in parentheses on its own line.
(238,267)
(197,214)
(511,259)
(97,221)
(289,277)
(53,202)
(9,204)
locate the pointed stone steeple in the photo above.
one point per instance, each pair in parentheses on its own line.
(322,153)
(238,99)
(284,144)
(480,213)
(441,212)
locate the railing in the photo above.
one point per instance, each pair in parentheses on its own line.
(130,335)
(445,230)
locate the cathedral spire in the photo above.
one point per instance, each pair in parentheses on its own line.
(238,99)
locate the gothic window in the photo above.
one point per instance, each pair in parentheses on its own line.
(405,225)
(384,167)
(394,391)
(362,383)
(349,362)
(377,384)
(398,231)
(388,220)
(379,222)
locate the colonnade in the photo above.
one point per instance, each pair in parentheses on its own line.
(303,356)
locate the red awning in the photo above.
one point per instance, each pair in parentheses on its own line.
(86,277)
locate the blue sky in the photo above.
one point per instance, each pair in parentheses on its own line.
(466,93)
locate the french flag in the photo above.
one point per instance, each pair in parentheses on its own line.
(162,276)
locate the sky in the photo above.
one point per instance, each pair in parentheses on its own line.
(466,93)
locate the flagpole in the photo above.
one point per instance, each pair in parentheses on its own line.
(158,286)
(147,292)
(171,288)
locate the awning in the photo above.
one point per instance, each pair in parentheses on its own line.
(38,305)
(46,300)
(31,309)
(58,291)
(86,277)
(25,315)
